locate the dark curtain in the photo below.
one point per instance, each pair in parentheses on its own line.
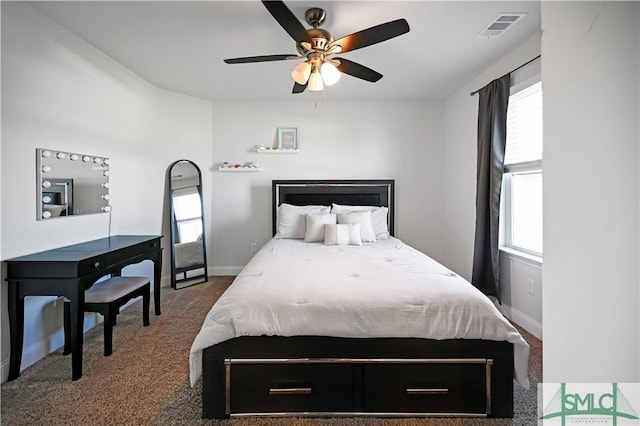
(492,135)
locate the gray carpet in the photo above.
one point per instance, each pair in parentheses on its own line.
(145,381)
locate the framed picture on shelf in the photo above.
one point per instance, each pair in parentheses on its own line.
(287,138)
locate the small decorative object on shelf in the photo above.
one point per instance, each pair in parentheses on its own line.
(253,166)
(287,138)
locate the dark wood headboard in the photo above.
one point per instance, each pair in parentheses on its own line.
(325,192)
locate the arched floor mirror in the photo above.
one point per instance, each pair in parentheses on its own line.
(188,248)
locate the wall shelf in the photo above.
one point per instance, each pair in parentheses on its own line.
(277,151)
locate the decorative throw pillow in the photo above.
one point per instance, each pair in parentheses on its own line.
(364,219)
(291,219)
(342,234)
(315,226)
(379,218)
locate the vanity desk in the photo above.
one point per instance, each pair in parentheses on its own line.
(69,271)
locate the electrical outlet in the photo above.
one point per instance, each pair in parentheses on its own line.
(531,286)
(254,247)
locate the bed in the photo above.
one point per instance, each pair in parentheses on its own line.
(320,323)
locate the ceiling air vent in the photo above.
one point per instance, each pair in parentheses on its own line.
(500,24)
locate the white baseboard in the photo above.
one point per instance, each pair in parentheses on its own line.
(225,270)
(4,371)
(211,271)
(55,341)
(36,352)
(44,347)
(523,320)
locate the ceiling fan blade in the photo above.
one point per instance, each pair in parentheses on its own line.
(287,20)
(265,58)
(298,88)
(372,35)
(356,70)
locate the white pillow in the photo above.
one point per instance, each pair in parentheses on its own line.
(315,226)
(364,219)
(342,234)
(290,222)
(378,218)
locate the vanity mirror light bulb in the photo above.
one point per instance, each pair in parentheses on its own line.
(46,154)
(61,155)
(46,215)
(106,208)
(105,173)
(46,184)
(97,160)
(46,169)
(86,158)
(46,199)
(105,197)
(105,185)
(74,157)
(105,161)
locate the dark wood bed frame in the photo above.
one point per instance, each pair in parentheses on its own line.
(333,376)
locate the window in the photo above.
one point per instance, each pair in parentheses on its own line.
(521,227)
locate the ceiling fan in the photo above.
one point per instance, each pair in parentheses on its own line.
(317,47)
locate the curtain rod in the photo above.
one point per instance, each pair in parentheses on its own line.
(512,71)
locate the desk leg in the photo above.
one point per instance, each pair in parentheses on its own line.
(16,329)
(157,272)
(76,306)
(67,329)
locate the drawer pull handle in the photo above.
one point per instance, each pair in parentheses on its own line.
(423,391)
(290,391)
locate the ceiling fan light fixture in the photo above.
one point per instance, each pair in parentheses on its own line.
(301,72)
(315,81)
(330,74)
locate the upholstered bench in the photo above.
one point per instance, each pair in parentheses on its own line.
(106,298)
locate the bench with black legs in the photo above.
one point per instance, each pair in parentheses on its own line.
(106,298)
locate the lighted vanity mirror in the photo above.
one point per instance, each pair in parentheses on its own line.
(188,248)
(70,184)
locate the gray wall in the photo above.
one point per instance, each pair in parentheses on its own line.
(58,92)
(460,119)
(344,140)
(591,101)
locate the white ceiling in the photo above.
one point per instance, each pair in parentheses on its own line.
(180,45)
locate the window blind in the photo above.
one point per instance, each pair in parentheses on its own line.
(524,126)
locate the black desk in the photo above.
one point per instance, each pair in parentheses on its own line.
(69,271)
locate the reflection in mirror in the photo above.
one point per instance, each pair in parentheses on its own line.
(70,184)
(188,248)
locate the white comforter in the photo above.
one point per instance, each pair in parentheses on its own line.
(381,289)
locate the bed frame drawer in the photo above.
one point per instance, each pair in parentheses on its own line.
(329,386)
(286,386)
(434,387)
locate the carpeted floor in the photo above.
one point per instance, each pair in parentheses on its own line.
(145,381)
